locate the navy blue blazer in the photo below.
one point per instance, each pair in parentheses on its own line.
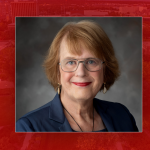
(50,118)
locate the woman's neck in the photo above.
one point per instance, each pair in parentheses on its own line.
(81,112)
(77,107)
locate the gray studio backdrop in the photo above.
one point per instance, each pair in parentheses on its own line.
(33,38)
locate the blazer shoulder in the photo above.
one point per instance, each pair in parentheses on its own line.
(38,110)
(108,105)
(28,121)
(112,107)
(118,112)
(24,125)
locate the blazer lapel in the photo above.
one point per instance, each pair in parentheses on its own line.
(108,122)
(65,127)
(56,114)
(102,110)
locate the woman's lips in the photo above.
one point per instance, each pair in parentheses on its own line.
(82,83)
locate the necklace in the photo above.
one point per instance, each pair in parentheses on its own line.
(76,122)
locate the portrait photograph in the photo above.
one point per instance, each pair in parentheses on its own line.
(78,74)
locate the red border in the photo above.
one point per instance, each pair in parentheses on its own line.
(11,140)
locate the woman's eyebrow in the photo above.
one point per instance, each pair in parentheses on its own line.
(70,58)
(78,58)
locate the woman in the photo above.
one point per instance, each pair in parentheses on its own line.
(80,63)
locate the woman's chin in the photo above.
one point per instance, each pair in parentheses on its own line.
(80,95)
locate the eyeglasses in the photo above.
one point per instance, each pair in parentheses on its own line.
(91,64)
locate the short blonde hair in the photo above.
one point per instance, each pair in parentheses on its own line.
(95,40)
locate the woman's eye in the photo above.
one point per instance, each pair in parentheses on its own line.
(91,62)
(71,62)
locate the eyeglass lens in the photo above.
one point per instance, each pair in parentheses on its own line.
(92,64)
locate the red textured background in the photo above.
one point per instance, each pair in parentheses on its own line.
(9,140)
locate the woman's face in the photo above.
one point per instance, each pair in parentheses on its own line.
(70,80)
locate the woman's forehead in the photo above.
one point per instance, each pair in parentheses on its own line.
(65,52)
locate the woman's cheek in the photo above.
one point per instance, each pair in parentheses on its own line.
(66,77)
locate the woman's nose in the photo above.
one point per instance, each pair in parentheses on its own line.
(81,70)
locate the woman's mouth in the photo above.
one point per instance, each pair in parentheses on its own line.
(82,83)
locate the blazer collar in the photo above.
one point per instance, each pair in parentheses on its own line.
(56,113)
(101,108)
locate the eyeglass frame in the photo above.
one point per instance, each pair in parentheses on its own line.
(102,62)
